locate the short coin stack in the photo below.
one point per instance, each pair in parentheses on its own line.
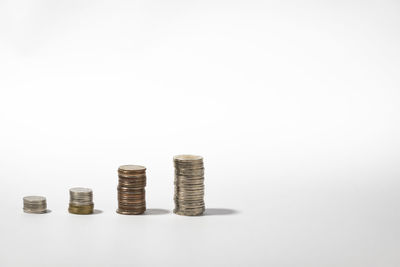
(131,192)
(35,204)
(81,200)
(189,185)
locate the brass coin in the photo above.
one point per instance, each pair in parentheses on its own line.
(88,209)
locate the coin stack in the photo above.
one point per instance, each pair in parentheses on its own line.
(35,204)
(81,200)
(131,192)
(189,185)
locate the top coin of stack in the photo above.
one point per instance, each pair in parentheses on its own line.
(35,204)
(81,200)
(131,192)
(189,185)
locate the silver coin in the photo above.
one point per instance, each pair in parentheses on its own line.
(35,204)
(193,212)
(186,157)
(81,196)
(189,169)
(81,190)
(34,199)
(189,185)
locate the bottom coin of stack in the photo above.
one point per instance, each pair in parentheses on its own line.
(189,185)
(35,204)
(81,200)
(131,192)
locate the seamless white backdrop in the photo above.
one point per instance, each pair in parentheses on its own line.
(294,106)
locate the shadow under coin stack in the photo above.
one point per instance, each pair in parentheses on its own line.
(35,204)
(189,185)
(131,192)
(81,200)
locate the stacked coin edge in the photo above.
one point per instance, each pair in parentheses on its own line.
(35,204)
(81,201)
(131,190)
(189,185)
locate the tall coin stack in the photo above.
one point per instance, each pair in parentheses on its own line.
(189,185)
(131,192)
(81,200)
(35,204)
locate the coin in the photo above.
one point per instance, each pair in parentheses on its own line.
(35,204)
(131,189)
(131,169)
(188,158)
(132,176)
(126,212)
(81,200)
(189,212)
(189,185)
(85,209)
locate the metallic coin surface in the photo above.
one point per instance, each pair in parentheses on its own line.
(35,204)
(131,169)
(81,200)
(86,209)
(188,158)
(81,190)
(125,212)
(189,185)
(131,189)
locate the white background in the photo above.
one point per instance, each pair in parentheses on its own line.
(293,104)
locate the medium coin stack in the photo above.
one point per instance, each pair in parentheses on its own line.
(81,200)
(189,185)
(35,204)
(131,192)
